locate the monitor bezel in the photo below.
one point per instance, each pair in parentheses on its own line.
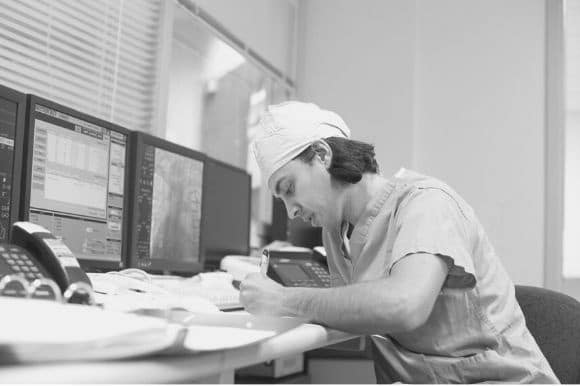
(89,265)
(18,153)
(139,140)
(207,257)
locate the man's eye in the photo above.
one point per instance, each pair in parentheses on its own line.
(290,189)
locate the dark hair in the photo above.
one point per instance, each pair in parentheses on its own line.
(350,159)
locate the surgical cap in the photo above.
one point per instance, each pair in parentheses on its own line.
(287,129)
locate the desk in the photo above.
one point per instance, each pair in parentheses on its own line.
(208,367)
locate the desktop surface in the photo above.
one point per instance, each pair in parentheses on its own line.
(219,365)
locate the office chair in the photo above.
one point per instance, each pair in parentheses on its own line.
(554,321)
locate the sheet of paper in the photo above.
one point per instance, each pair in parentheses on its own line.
(230,330)
(208,338)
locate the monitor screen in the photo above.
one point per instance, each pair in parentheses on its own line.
(226,212)
(167,210)
(75,183)
(12,116)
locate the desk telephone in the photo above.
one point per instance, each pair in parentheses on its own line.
(289,267)
(35,253)
(293,269)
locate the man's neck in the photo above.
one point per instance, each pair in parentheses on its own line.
(357,196)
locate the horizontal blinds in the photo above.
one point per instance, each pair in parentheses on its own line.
(99,57)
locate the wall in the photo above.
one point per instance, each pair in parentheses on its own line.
(265,26)
(479,115)
(452,88)
(358,60)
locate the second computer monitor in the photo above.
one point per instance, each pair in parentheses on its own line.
(75,183)
(226,212)
(167,207)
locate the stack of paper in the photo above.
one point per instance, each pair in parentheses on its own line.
(37,330)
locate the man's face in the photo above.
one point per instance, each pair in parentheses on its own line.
(307,192)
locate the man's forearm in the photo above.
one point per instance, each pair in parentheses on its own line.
(364,308)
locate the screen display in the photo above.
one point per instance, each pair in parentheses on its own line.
(78,182)
(291,272)
(8,111)
(226,226)
(168,209)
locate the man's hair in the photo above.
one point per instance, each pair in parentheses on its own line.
(350,159)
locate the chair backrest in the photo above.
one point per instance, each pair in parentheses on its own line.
(554,321)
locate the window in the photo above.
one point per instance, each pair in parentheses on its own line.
(562,268)
(571,260)
(216,92)
(99,57)
(161,66)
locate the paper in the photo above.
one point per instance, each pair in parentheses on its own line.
(39,330)
(229,330)
(206,338)
(46,331)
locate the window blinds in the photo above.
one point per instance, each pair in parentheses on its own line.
(99,57)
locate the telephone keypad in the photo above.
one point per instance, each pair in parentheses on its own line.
(20,263)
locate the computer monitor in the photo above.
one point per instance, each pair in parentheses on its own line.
(12,117)
(75,182)
(226,212)
(166,210)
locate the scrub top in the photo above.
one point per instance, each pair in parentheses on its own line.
(476,331)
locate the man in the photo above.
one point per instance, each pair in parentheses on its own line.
(418,272)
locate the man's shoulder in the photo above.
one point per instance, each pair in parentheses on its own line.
(423,192)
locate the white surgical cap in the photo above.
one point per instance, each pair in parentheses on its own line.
(287,129)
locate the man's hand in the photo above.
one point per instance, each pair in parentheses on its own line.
(262,295)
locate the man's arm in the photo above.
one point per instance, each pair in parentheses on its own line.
(401,302)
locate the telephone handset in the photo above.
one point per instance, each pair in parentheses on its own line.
(36,253)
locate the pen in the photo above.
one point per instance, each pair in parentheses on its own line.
(264,261)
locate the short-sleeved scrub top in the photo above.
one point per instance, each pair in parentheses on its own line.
(476,331)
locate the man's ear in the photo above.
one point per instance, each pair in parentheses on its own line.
(323,152)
